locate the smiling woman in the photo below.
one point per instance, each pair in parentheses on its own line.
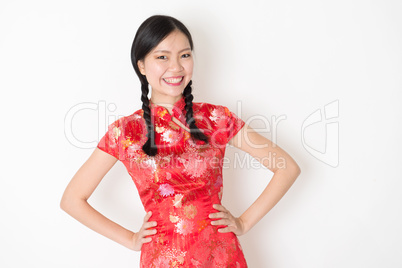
(168,68)
(161,56)
(173,150)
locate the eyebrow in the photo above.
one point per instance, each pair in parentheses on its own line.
(167,51)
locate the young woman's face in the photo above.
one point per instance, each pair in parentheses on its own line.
(168,68)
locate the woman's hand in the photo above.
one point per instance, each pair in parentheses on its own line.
(234,224)
(142,236)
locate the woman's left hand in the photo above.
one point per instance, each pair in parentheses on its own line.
(232,223)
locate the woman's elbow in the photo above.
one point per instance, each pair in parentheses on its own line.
(69,201)
(65,202)
(296,170)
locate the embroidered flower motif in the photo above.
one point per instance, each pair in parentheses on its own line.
(133,147)
(211,153)
(166,189)
(126,143)
(208,233)
(193,165)
(159,129)
(219,181)
(161,112)
(169,136)
(220,116)
(162,238)
(137,116)
(116,133)
(180,259)
(220,255)
(214,115)
(177,200)
(227,112)
(186,135)
(202,224)
(184,227)
(175,255)
(190,211)
(161,262)
(173,218)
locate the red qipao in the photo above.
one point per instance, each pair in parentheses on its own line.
(180,184)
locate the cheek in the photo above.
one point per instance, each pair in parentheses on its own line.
(155,70)
(188,66)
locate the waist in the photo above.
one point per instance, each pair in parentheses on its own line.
(179,216)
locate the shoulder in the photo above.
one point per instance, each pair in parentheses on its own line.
(217,121)
(134,118)
(212,111)
(131,125)
(212,116)
(209,108)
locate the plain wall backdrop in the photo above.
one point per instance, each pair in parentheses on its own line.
(320,78)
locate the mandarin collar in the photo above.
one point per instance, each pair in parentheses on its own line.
(178,110)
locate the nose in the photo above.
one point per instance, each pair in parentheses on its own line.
(175,65)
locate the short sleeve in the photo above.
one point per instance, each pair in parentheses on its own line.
(223,123)
(233,125)
(111,140)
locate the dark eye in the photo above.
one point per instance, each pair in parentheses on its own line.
(162,57)
(186,56)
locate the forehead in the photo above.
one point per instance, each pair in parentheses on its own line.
(175,41)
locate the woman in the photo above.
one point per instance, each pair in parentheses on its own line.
(173,150)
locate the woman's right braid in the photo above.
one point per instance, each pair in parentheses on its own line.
(149,147)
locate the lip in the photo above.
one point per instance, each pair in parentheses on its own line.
(173,78)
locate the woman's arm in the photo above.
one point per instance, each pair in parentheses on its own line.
(285,171)
(80,188)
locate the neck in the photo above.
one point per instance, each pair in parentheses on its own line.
(165,101)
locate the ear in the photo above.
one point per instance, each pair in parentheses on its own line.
(141,66)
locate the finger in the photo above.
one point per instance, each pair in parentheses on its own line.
(219,215)
(147,216)
(222,222)
(149,232)
(149,224)
(146,240)
(227,229)
(219,207)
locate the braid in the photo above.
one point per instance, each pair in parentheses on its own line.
(149,147)
(194,131)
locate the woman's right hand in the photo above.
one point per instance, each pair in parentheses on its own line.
(142,236)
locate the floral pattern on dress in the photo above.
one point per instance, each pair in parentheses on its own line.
(184,227)
(165,190)
(180,184)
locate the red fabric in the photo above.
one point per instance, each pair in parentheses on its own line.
(180,184)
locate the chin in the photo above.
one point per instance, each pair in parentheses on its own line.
(175,92)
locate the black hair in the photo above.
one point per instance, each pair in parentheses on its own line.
(150,33)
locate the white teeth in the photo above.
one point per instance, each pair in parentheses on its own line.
(173,80)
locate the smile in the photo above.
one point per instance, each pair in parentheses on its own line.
(173,80)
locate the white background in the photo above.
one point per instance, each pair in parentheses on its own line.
(275,58)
